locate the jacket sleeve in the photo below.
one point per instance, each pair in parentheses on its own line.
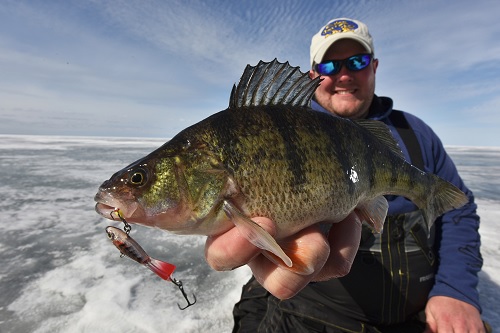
(457,232)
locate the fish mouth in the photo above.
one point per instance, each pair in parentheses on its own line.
(108,206)
(105,210)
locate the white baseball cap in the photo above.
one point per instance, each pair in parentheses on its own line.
(335,30)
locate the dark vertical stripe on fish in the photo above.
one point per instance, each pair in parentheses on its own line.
(342,153)
(290,137)
(223,128)
(394,175)
(370,151)
(366,152)
(414,180)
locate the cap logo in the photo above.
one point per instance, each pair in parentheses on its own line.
(338,27)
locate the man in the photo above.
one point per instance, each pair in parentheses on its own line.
(404,280)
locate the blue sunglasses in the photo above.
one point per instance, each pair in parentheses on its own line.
(355,63)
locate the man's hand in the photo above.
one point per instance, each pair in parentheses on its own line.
(446,314)
(333,255)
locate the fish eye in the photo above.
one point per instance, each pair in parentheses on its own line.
(138,177)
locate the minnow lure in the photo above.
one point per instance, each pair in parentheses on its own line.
(130,248)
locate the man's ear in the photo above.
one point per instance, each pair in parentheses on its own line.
(313,74)
(375,65)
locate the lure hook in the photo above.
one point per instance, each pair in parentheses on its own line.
(127,228)
(178,283)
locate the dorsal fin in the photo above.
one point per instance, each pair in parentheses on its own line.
(382,133)
(273,83)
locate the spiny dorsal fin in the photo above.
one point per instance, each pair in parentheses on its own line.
(382,133)
(273,83)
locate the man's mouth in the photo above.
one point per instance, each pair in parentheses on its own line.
(345,92)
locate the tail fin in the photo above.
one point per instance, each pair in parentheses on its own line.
(443,197)
(161,268)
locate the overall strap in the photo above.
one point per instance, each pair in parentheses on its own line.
(409,138)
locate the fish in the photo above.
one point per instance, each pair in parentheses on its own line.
(269,154)
(131,249)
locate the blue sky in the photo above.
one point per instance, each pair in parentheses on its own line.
(152,68)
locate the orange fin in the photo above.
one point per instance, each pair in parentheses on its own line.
(161,268)
(373,212)
(255,233)
(300,255)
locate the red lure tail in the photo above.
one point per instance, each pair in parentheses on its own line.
(161,268)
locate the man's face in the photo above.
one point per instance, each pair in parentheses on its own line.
(347,94)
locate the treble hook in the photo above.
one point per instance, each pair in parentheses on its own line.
(178,283)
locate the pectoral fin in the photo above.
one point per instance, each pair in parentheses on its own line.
(255,233)
(373,212)
(300,254)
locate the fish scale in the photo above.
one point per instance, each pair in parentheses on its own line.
(270,155)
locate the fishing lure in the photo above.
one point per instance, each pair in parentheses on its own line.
(130,248)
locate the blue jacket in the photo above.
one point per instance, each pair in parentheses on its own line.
(458,243)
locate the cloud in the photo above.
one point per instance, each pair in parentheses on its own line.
(97,65)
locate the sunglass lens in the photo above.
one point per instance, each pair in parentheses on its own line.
(327,68)
(357,63)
